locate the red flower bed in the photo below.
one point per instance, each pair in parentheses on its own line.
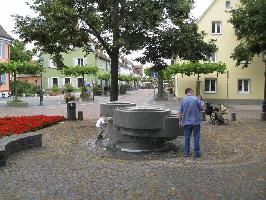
(17,125)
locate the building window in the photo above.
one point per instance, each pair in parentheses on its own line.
(243,86)
(67,80)
(80,81)
(216,27)
(210,85)
(213,57)
(55,82)
(3,79)
(80,61)
(227,4)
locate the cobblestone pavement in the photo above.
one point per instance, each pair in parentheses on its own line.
(90,110)
(70,166)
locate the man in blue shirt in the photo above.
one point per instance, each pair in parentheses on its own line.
(189,118)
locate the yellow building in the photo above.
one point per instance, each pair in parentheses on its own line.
(238,85)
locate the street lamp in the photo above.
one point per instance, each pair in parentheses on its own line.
(263,117)
(41,92)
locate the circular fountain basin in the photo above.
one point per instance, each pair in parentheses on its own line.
(107,108)
(144,118)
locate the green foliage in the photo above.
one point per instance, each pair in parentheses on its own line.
(18,52)
(103,75)
(55,89)
(24,88)
(20,67)
(249,21)
(124,77)
(195,68)
(184,41)
(68,88)
(119,26)
(80,70)
(96,90)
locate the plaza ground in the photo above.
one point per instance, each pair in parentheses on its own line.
(70,166)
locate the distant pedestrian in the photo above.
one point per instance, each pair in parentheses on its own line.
(189,118)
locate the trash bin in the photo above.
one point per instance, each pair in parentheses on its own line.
(71,111)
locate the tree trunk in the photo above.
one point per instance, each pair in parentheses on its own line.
(83,80)
(198,87)
(115,51)
(15,85)
(114,75)
(160,85)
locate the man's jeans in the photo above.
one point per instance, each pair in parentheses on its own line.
(188,129)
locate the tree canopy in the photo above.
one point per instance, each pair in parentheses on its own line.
(80,70)
(118,25)
(20,60)
(184,42)
(249,21)
(195,68)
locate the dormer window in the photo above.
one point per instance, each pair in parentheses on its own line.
(216,27)
(227,4)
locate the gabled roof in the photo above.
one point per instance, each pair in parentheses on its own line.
(4,34)
(206,10)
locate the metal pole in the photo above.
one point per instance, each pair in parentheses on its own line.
(41,93)
(227,88)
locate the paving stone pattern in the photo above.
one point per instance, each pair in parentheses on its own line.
(70,166)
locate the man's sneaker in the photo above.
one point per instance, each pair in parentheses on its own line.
(186,155)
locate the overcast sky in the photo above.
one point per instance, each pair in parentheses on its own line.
(10,7)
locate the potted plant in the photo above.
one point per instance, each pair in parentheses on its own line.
(68,93)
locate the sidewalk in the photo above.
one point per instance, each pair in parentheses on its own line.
(70,166)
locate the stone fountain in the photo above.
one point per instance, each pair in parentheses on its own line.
(139,129)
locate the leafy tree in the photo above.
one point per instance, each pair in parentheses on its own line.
(20,63)
(80,70)
(184,42)
(249,21)
(103,75)
(118,25)
(196,69)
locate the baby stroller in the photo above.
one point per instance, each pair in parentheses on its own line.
(216,114)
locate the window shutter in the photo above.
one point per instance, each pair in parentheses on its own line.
(85,61)
(75,62)
(49,83)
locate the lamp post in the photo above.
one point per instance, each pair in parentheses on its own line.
(263,115)
(41,92)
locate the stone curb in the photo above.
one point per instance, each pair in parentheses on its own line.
(16,143)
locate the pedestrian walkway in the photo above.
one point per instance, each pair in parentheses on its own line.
(70,166)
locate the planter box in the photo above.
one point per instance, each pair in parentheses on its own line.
(15,143)
(17,104)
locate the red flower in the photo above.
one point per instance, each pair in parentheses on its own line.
(17,125)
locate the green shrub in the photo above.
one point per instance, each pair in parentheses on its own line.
(55,89)
(96,90)
(68,88)
(24,87)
